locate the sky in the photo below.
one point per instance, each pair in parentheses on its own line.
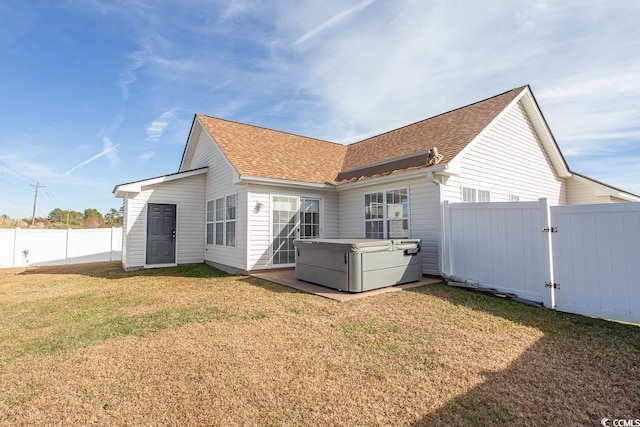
(96,93)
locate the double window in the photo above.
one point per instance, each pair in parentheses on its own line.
(221,221)
(472,195)
(386,214)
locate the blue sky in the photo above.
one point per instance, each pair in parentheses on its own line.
(95,93)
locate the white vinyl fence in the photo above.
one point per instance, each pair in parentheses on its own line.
(582,259)
(38,247)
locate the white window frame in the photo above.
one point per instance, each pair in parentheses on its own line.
(219,218)
(514,198)
(482,194)
(385,219)
(468,195)
(474,195)
(228,220)
(211,211)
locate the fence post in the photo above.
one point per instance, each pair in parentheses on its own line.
(66,247)
(446,239)
(549,298)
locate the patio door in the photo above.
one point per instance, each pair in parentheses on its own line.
(284,227)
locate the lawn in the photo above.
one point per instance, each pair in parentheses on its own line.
(192,346)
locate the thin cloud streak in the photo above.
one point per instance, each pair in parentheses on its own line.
(332,22)
(108,151)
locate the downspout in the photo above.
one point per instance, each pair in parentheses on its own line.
(451,280)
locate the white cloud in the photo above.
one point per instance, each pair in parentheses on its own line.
(128,74)
(146,156)
(156,128)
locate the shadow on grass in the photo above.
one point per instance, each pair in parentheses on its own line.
(269,286)
(582,369)
(113,270)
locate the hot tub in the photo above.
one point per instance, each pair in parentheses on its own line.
(358,265)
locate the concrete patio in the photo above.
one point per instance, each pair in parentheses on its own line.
(287,277)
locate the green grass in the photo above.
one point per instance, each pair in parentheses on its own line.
(203,347)
(49,325)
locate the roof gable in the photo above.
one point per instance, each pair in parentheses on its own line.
(259,152)
(450,132)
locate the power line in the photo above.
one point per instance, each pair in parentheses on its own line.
(12,183)
(8,166)
(12,202)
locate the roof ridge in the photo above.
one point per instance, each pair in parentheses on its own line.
(440,114)
(272,130)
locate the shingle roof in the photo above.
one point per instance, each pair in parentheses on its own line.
(450,132)
(257,151)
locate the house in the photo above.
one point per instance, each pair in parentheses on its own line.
(243,193)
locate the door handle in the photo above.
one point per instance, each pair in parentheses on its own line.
(173,234)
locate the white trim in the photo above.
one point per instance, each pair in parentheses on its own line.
(271,238)
(122,190)
(440,169)
(242,179)
(385,218)
(223,221)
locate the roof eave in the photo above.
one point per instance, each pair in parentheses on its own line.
(247,179)
(123,190)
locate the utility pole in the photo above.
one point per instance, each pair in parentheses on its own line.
(35,201)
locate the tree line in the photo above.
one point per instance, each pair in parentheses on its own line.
(66,218)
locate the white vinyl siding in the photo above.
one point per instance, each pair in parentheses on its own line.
(423,215)
(219,185)
(259,251)
(508,159)
(514,198)
(188,196)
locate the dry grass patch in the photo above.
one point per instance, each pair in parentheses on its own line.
(190,345)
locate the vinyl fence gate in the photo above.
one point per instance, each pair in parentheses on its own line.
(582,259)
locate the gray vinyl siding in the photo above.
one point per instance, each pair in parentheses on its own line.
(219,183)
(187,194)
(259,234)
(423,215)
(508,160)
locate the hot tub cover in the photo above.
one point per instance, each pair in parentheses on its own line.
(358,245)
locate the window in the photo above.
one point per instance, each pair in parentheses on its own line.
(471,195)
(513,198)
(210,223)
(484,196)
(468,195)
(309,218)
(386,214)
(221,221)
(230,220)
